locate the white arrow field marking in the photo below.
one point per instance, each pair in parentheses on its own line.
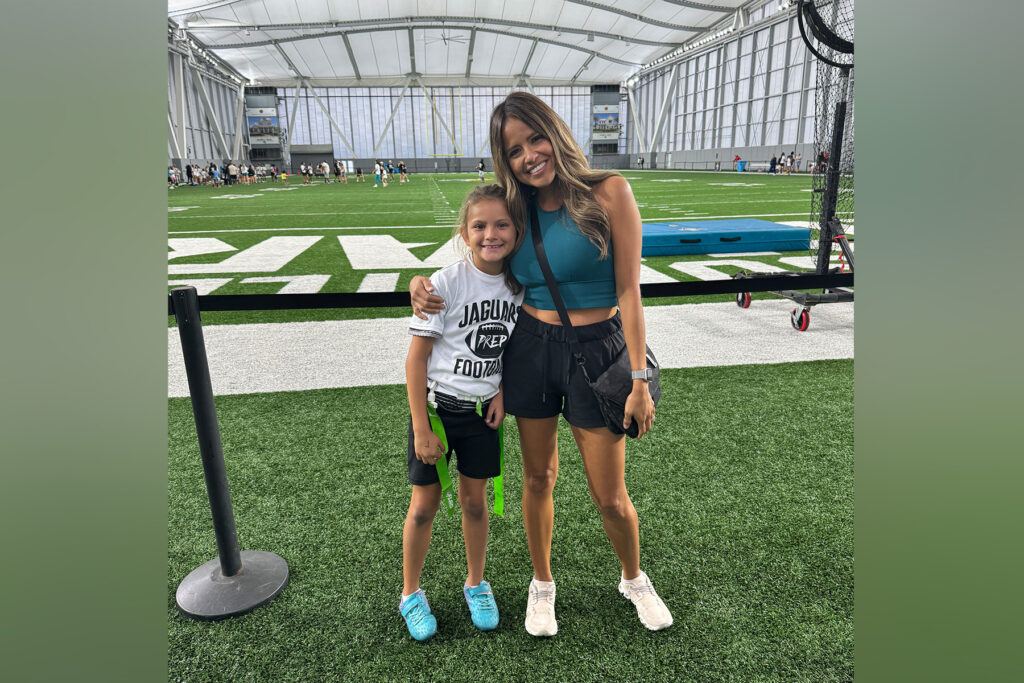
(700,270)
(194,246)
(378,252)
(650,276)
(269,256)
(203,286)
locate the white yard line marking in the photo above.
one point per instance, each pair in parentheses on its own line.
(362,227)
(271,214)
(658,219)
(267,357)
(715,218)
(847,225)
(378,282)
(737,254)
(295,284)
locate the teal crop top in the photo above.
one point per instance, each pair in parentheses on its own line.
(583,280)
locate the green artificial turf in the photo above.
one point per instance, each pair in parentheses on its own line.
(430,203)
(744,492)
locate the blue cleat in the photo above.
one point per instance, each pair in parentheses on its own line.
(418,618)
(482,607)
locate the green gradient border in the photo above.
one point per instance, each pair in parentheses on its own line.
(938,351)
(84,415)
(938,368)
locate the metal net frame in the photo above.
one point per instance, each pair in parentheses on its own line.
(832,181)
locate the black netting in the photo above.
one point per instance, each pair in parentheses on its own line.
(833,137)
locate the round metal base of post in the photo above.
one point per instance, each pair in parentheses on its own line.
(206,594)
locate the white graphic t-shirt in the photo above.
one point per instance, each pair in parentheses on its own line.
(470,332)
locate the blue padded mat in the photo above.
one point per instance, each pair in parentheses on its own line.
(722,236)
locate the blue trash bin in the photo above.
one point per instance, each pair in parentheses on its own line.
(741,166)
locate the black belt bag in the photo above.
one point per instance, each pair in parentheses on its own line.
(615,384)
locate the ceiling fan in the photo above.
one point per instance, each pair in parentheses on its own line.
(447,37)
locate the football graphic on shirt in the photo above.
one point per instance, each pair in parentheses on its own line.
(487,340)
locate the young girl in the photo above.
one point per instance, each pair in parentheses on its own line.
(454,365)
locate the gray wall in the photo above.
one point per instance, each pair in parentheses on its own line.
(721,159)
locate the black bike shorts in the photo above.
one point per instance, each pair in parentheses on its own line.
(540,377)
(474,444)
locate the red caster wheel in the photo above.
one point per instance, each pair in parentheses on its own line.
(800,318)
(743,299)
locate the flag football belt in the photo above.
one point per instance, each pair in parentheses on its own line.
(447,490)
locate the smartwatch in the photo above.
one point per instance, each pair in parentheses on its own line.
(647,374)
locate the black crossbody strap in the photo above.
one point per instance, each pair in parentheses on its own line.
(549,278)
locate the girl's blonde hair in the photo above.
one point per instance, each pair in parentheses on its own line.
(495,192)
(573,178)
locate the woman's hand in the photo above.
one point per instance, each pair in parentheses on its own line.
(639,407)
(424,301)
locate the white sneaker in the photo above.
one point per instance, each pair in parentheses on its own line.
(540,609)
(649,607)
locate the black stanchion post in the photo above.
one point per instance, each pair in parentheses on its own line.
(200,389)
(236,582)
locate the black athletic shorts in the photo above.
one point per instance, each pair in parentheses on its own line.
(475,445)
(540,377)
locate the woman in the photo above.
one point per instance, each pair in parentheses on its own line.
(592,235)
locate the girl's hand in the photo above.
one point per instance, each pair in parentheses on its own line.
(428,448)
(495,412)
(639,407)
(424,301)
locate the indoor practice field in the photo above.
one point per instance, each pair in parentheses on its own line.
(412,224)
(744,489)
(744,492)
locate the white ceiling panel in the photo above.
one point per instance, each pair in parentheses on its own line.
(246,34)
